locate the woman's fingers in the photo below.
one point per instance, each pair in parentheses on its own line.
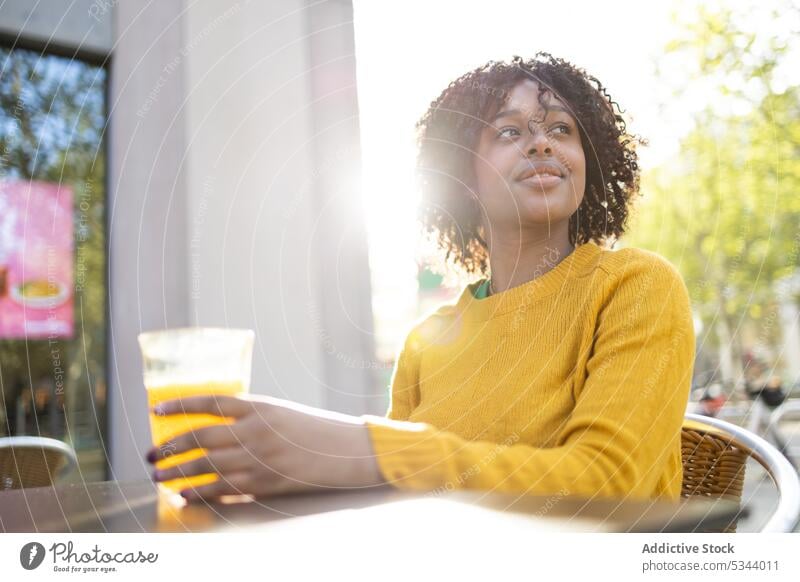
(207,437)
(208,404)
(221,461)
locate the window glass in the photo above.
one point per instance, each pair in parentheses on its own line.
(52,252)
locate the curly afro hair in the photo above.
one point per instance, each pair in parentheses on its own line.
(448,133)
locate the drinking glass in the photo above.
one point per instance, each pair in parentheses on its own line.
(184,362)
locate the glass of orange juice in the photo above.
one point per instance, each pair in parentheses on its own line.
(192,361)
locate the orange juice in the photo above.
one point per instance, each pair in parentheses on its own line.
(164,427)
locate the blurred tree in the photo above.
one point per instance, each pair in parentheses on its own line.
(727,210)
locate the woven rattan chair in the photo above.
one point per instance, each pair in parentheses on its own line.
(715,454)
(29,461)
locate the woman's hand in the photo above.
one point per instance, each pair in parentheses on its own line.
(274,446)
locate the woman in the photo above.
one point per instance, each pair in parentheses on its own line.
(565,369)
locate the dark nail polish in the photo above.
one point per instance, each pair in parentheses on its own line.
(151,457)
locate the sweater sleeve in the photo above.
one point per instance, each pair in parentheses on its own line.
(626,420)
(405,382)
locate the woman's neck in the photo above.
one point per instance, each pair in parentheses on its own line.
(521,257)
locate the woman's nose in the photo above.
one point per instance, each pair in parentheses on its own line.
(539,142)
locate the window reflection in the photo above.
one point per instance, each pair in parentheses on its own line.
(52,252)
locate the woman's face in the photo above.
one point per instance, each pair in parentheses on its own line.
(529,163)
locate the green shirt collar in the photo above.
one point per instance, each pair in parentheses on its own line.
(482,290)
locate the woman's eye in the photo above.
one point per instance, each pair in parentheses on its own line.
(503,132)
(562,129)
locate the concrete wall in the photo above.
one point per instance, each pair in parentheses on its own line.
(147,209)
(235,159)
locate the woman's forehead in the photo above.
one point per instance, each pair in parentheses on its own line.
(525,97)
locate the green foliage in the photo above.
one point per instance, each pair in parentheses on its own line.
(726,210)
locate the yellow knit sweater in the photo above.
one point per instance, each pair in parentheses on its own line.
(574,383)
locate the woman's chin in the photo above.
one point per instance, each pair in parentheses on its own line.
(546,210)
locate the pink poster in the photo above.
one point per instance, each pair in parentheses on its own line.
(35,260)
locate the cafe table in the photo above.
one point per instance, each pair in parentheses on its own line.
(143,506)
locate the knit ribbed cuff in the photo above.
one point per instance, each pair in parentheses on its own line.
(409,454)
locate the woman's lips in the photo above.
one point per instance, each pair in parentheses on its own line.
(542,181)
